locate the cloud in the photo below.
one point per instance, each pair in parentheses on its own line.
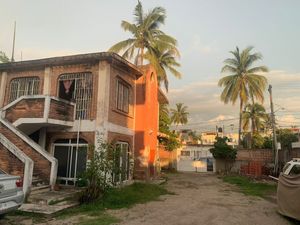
(206,109)
(220,118)
(197,45)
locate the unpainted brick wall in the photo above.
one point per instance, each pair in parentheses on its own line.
(42,166)
(10,163)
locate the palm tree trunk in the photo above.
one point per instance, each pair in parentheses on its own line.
(240,122)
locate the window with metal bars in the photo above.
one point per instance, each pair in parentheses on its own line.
(23,86)
(77,87)
(123,96)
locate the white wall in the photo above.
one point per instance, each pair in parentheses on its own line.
(196,161)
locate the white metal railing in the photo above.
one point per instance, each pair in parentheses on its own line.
(23,86)
(78,87)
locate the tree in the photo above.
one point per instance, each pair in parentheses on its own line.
(256,114)
(286,138)
(164,59)
(170,141)
(164,119)
(195,138)
(145,34)
(179,115)
(244,82)
(3,57)
(222,150)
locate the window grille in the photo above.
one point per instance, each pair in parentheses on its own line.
(122,99)
(77,87)
(23,86)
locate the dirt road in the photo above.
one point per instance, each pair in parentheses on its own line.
(202,199)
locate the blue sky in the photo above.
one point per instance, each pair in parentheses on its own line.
(206,31)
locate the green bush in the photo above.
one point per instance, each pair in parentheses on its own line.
(100,172)
(222,150)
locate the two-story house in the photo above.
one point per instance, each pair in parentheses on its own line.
(53,109)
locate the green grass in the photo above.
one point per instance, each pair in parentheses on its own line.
(132,194)
(115,198)
(249,186)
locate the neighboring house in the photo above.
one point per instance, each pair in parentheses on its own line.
(195,158)
(209,138)
(54,109)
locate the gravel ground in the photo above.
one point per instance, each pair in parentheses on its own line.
(202,199)
(199,199)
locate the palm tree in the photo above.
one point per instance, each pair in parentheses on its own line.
(256,114)
(179,115)
(164,118)
(244,82)
(3,57)
(163,59)
(145,34)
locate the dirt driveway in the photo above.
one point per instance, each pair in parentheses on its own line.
(202,199)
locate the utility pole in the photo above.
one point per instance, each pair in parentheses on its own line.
(13,47)
(275,146)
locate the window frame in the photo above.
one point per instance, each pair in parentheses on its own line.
(84,102)
(123,96)
(30,82)
(119,145)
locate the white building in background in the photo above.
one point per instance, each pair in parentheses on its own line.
(195,158)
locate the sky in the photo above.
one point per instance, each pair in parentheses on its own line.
(206,31)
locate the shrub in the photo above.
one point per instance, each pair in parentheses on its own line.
(100,171)
(222,150)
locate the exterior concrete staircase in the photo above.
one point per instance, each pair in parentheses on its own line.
(19,154)
(22,150)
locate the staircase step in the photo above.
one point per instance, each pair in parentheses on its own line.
(37,181)
(52,197)
(40,189)
(47,209)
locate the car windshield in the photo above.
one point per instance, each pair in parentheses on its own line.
(295,170)
(285,167)
(1,172)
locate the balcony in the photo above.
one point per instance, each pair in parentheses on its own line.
(32,112)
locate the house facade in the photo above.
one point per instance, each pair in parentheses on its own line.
(53,110)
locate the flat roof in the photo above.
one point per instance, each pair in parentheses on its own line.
(71,59)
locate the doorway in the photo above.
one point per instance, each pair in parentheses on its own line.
(122,162)
(72,158)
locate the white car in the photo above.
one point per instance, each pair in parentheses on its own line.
(292,167)
(11,193)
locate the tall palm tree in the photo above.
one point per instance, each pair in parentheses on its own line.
(256,114)
(179,115)
(164,59)
(3,57)
(244,82)
(145,34)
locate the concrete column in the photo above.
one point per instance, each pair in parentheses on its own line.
(42,138)
(102,101)
(3,80)
(47,81)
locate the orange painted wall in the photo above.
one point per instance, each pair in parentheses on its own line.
(146,123)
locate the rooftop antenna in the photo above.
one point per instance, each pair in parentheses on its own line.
(13,48)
